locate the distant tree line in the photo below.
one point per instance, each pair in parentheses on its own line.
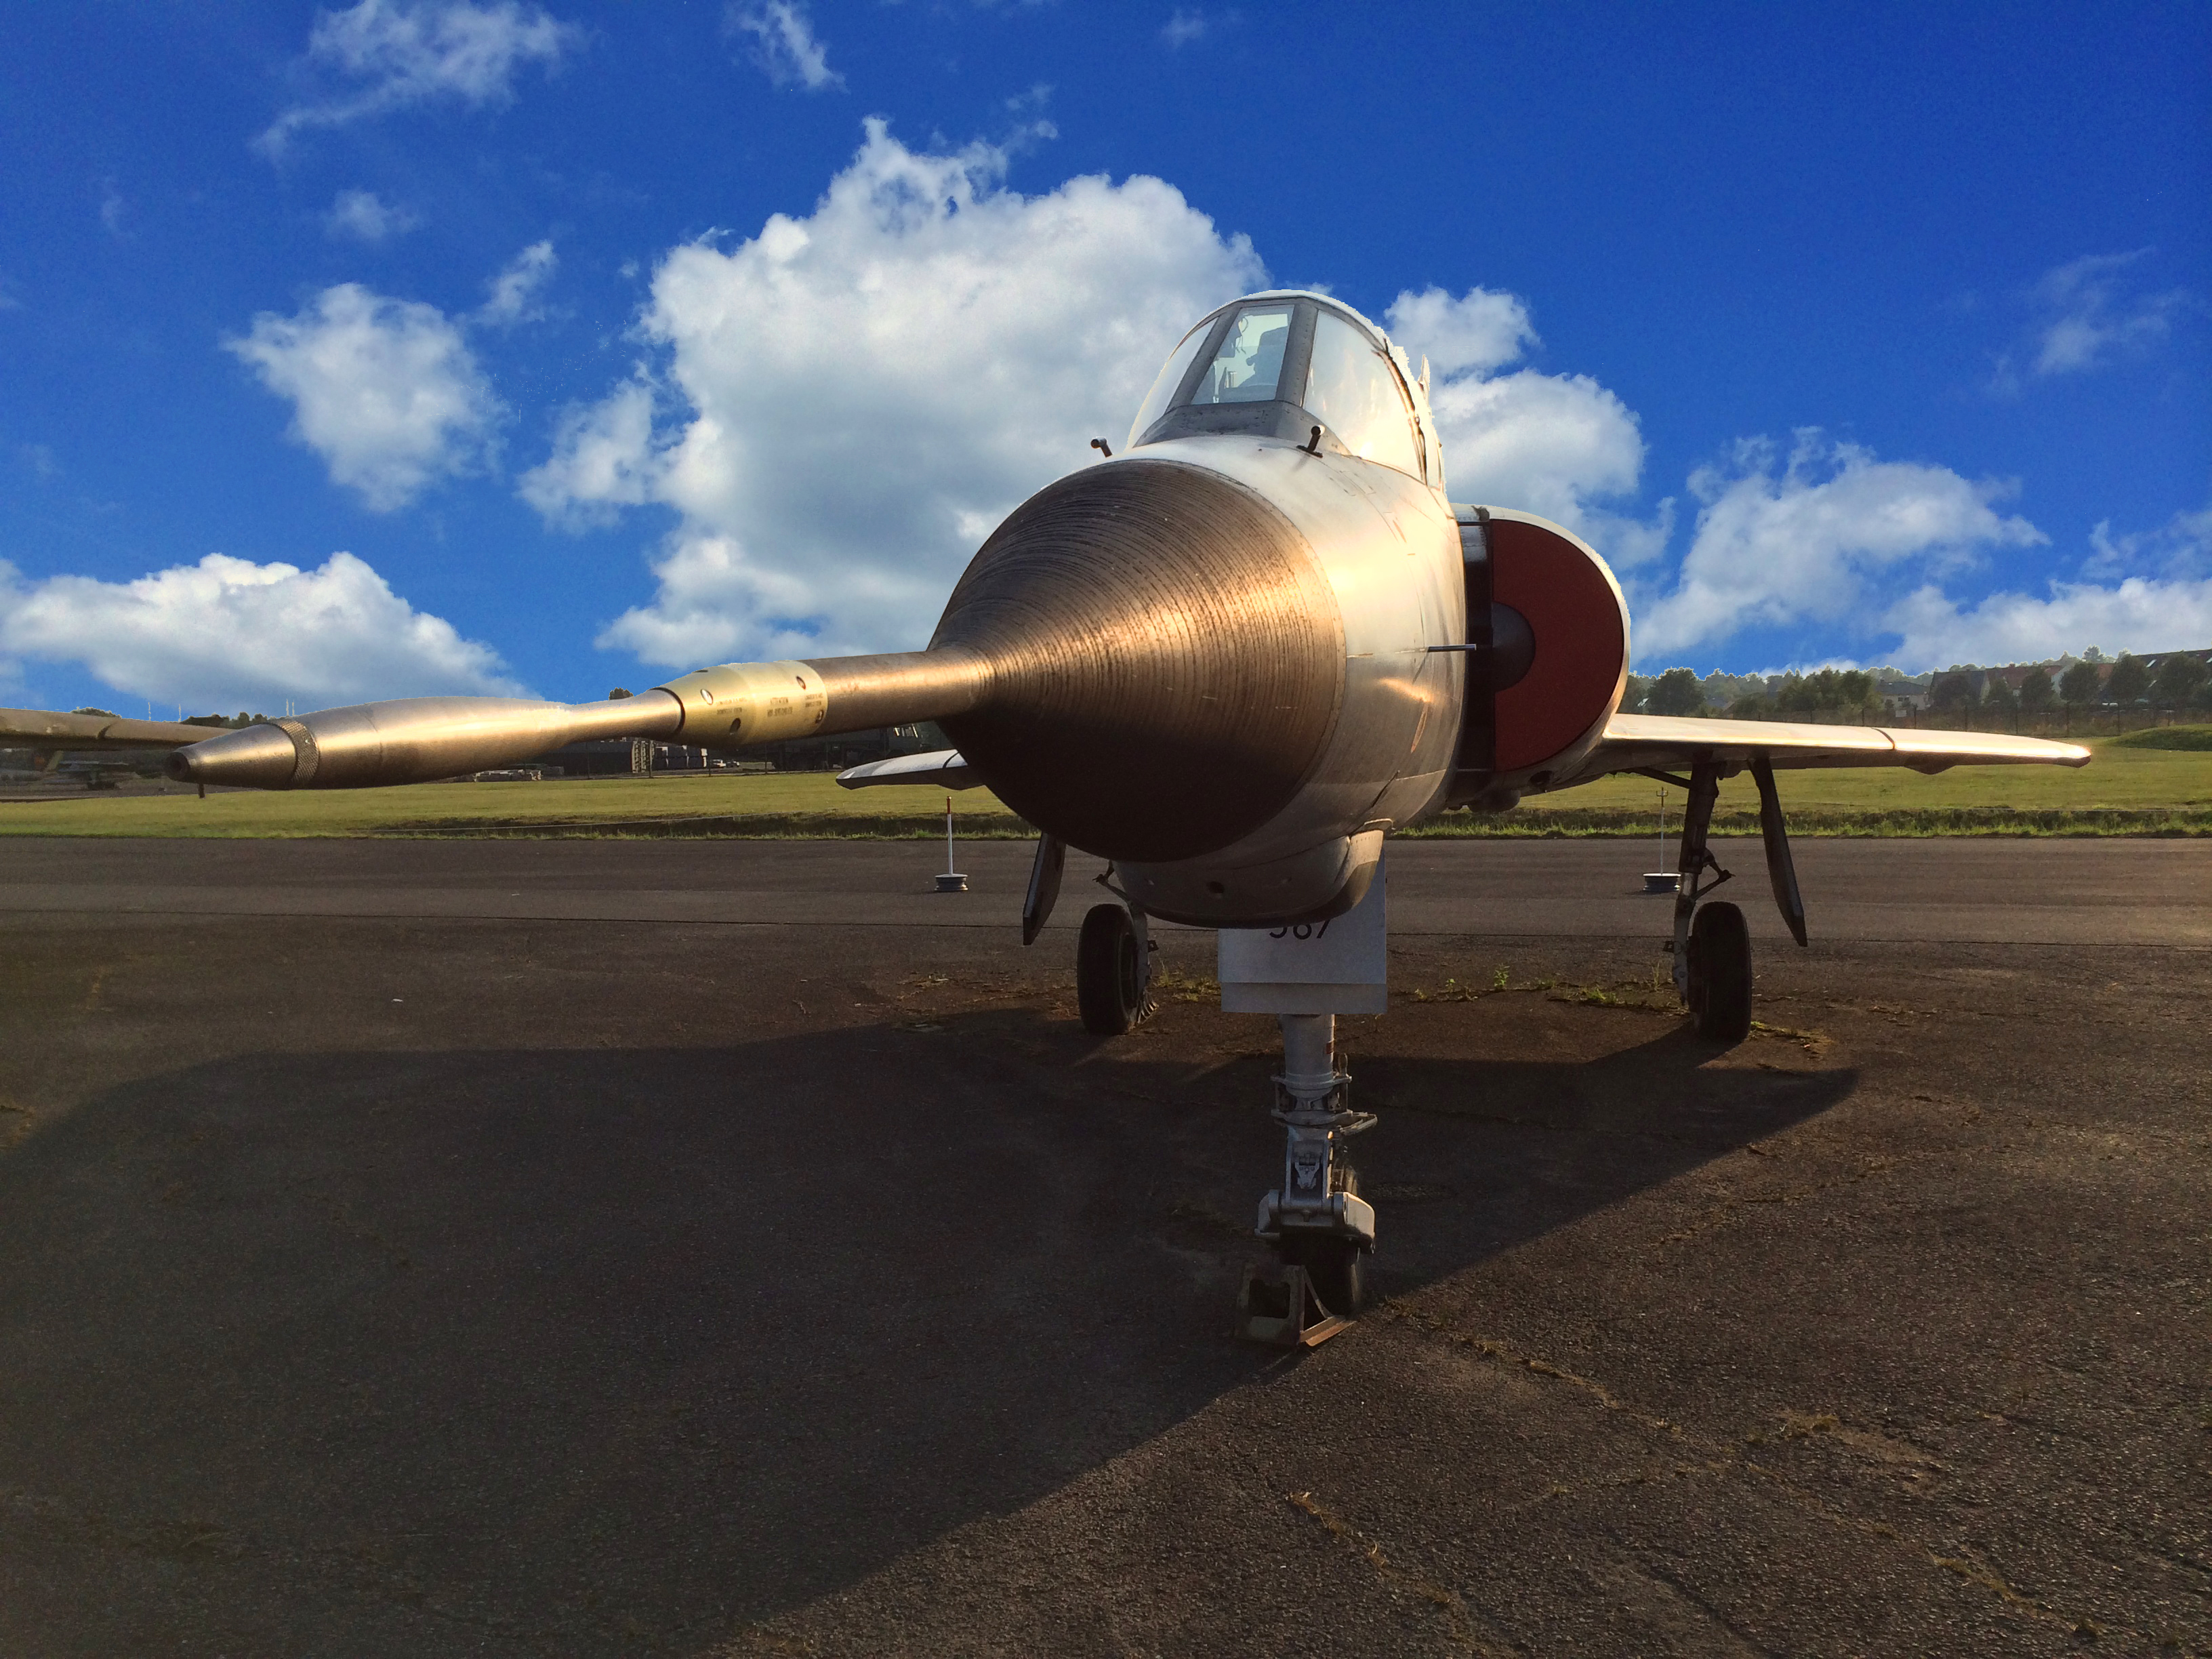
(2176,683)
(226,722)
(1848,691)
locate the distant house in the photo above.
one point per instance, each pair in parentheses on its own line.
(1906,693)
(2014,674)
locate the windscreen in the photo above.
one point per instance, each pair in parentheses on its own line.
(1170,379)
(1249,364)
(1354,390)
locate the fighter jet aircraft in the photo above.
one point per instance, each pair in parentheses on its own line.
(1230,660)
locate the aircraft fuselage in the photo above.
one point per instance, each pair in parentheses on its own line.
(1386,553)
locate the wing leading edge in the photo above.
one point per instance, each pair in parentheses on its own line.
(1641,741)
(37,728)
(942,768)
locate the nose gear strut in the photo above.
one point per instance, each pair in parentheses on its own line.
(1321,1230)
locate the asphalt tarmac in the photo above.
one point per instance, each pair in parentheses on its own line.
(683,1248)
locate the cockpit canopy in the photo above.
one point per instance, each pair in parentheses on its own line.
(1279,365)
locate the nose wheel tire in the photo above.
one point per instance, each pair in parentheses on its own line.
(1335,1268)
(1720,973)
(1110,979)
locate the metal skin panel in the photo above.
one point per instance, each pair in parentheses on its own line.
(1633,741)
(746,703)
(867,692)
(938,768)
(1389,548)
(412,740)
(1164,657)
(38,728)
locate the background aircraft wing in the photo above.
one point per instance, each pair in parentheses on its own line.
(36,728)
(942,767)
(1659,742)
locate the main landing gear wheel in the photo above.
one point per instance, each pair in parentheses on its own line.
(1109,977)
(1720,973)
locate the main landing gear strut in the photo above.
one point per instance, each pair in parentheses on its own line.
(1712,943)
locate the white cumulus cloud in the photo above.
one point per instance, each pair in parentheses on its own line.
(1183,27)
(784,45)
(2182,547)
(1818,539)
(2139,614)
(2162,601)
(2090,312)
(859,394)
(385,54)
(228,633)
(366,217)
(1560,444)
(514,292)
(603,460)
(1480,332)
(386,390)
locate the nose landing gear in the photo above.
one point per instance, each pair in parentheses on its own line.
(1321,1230)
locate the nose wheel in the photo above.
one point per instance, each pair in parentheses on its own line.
(1336,1267)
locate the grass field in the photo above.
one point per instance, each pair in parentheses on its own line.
(2128,790)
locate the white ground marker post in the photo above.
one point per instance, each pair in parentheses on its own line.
(951,881)
(1662,880)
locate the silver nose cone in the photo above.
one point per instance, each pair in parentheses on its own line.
(1167,659)
(258,756)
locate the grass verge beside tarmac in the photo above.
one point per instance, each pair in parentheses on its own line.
(2131,788)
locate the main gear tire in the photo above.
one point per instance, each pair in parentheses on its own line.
(1109,981)
(1720,973)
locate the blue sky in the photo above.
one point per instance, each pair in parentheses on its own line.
(404,348)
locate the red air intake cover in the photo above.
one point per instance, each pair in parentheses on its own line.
(1580,624)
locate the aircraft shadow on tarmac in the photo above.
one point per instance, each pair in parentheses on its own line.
(622,1350)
